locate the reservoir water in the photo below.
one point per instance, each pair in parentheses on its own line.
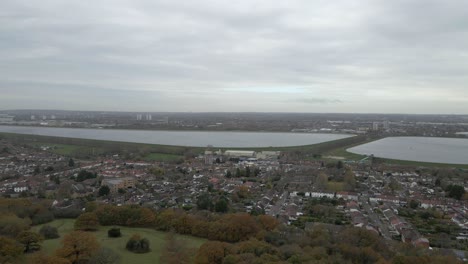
(424,149)
(182,138)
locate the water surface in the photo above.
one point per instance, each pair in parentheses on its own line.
(424,149)
(182,138)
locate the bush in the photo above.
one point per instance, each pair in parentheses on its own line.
(136,244)
(49,232)
(114,232)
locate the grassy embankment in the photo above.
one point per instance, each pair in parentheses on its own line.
(156,238)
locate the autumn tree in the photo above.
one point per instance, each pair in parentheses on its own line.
(78,246)
(322,181)
(9,249)
(30,240)
(105,256)
(267,222)
(349,180)
(40,258)
(212,252)
(87,222)
(175,252)
(11,225)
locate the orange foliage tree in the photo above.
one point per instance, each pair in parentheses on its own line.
(78,246)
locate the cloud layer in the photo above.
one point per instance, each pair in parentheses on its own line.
(249,55)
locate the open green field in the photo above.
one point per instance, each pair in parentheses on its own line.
(162,157)
(156,238)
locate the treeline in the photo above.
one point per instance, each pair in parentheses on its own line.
(319,244)
(227,227)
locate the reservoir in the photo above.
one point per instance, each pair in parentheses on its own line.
(424,149)
(222,139)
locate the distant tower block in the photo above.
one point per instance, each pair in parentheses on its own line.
(44,117)
(375,126)
(33,117)
(386,125)
(139,117)
(149,117)
(52,117)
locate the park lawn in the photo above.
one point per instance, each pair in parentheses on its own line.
(156,238)
(162,157)
(67,149)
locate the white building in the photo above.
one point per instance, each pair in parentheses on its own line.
(4,118)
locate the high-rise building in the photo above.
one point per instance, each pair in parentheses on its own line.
(149,117)
(139,117)
(375,126)
(386,125)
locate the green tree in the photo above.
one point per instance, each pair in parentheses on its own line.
(49,232)
(228,174)
(136,244)
(204,202)
(247,171)
(104,190)
(221,206)
(30,240)
(455,191)
(71,163)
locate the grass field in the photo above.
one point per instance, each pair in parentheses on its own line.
(156,238)
(162,157)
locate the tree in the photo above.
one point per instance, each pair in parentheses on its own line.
(322,181)
(247,171)
(30,241)
(105,256)
(175,252)
(136,244)
(49,232)
(413,204)
(114,232)
(104,190)
(9,249)
(221,206)
(349,180)
(339,165)
(238,173)
(87,222)
(40,258)
(455,191)
(78,246)
(121,191)
(212,252)
(204,202)
(228,174)
(71,163)
(84,175)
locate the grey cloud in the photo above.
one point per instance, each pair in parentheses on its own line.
(192,54)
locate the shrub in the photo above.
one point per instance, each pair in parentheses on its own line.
(49,232)
(136,244)
(114,232)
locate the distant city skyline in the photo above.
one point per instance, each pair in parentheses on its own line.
(369,56)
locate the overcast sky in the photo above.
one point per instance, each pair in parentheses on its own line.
(388,56)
